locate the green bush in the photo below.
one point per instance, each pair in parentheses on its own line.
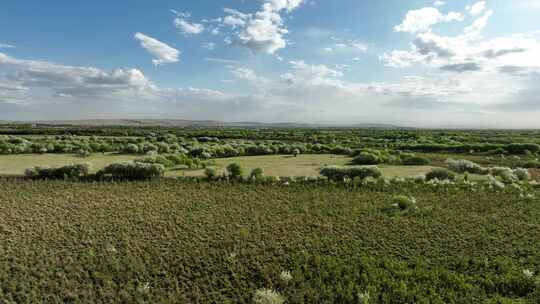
(210,173)
(532,164)
(256,174)
(132,171)
(235,170)
(66,172)
(366,158)
(415,161)
(158,159)
(130,149)
(404,202)
(440,174)
(340,173)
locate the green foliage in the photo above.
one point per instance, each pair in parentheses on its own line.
(366,158)
(440,174)
(235,170)
(76,171)
(335,173)
(170,241)
(532,164)
(404,202)
(522,148)
(210,173)
(132,171)
(130,149)
(256,174)
(415,161)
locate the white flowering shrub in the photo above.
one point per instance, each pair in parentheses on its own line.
(522,174)
(463,165)
(267,296)
(506,175)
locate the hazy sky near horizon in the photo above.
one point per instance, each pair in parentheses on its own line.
(413,63)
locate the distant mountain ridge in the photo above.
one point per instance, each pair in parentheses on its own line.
(191,123)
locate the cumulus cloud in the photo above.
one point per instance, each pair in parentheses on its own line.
(423,19)
(477,8)
(265,30)
(305,93)
(188,28)
(468,51)
(164,53)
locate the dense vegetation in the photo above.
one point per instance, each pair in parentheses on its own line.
(466,230)
(196,242)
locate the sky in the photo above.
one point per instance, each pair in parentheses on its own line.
(417,63)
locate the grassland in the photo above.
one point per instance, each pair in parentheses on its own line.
(169,241)
(273,165)
(16,164)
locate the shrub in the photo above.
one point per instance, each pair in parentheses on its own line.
(295,152)
(235,170)
(440,174)
(522,148)
(256,174)
(158,159)
(522,174)
(130,149)
(132,171)
(531,164)
(366,158)
(210,173)
(66,172)
(83,153)
(404,202)
(415,161)
(463,165)
(400,204)
(340,173)
(267,296)
(505,174)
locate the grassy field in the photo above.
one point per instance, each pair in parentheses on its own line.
(303,165)
(17,163)
(185,242)
(273,165)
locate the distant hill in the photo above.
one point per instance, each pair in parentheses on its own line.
(190,123)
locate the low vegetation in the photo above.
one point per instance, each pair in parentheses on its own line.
(232,215)
(191,242)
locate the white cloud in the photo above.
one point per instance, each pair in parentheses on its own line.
(423,19)
(439,3)
(164,53)
(188,28)
(6,46)
(263,31)
(306,93)
(479,24)
(477,8)
(469,51)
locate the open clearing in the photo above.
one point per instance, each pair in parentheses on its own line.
(303,165)
(17,163)
(273,165)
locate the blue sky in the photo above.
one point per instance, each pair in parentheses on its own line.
(418,63)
